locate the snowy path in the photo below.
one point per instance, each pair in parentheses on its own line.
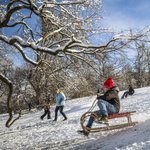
(29,132)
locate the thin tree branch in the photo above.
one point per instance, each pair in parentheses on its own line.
(9,83)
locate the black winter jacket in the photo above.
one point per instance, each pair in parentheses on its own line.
(131,90)
(111,96)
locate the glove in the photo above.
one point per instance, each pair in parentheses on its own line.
(97,96)
(98,92)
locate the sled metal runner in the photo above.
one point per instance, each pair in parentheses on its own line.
(107,127)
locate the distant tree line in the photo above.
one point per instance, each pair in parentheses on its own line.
(37,83)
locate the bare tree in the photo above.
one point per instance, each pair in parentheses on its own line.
(127,75)
(139,66)
(147,63)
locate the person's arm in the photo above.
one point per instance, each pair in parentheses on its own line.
(108,95)
(61,98)
(60,101)
(101,97)
(133,91)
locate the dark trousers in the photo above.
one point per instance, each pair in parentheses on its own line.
(126,94)
(29,106)
(60,108)
(47,112)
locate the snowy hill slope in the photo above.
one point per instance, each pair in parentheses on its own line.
(29,132)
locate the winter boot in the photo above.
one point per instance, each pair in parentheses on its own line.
(65,118)
(122,97)
(83,132)
(55,119)
(104,119)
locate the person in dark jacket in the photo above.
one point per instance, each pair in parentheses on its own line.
(29,105)
(60,102)
(128,92)
(47,110)
(108,103)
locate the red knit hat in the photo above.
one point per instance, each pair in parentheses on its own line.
(108,83)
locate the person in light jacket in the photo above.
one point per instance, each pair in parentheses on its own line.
(60,102)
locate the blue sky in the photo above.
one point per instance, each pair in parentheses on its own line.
(125,14)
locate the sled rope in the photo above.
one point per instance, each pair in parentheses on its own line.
(93,105)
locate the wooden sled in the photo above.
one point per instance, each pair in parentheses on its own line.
(107,127)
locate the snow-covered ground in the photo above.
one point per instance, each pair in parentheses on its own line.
(29,132)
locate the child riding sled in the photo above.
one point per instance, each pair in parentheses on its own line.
(108,103)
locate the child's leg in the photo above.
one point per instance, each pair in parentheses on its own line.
(91,119)
(105,107)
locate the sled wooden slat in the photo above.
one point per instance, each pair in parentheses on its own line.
(93,130)
(124,114)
